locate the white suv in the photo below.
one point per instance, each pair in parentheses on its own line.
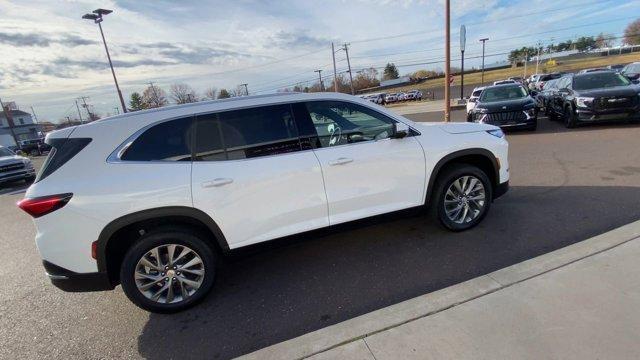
(152,199)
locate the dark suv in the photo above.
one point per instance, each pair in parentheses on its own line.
(507,106)
(595,96)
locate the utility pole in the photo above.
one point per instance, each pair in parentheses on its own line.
(335,73)
(7,115)
(79,113)
(447,59)
(526,59)
(86,107)
(246,89)
(320,78)
(463,43)
(346,50)
(538,59)
(97,18)
(483,41)
(34,115)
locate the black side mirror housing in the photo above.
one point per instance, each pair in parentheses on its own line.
(400,130)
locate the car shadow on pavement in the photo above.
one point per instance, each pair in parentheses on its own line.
(286,290)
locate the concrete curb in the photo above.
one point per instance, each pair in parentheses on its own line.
(392,316)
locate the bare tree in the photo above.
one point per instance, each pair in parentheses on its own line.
(183,94)
(211,93)
(604,41)
(153,97)
(632,33)
(366,78)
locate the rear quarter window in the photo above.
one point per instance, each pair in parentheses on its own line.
(167,141)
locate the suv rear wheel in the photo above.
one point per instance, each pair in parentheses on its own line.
(168,270)
(462,197)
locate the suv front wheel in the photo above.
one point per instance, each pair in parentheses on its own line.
(462,197)
(168,270)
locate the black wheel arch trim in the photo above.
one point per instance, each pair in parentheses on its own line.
(458,154)
(182,211)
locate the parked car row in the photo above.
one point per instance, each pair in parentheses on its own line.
(592,95)
(390,98)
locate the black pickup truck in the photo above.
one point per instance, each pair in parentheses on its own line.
(34,147)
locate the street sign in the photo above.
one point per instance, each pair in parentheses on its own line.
(463,37)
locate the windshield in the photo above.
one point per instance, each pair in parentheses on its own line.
(503,93)
(599,80)
(633,68)
(5,152)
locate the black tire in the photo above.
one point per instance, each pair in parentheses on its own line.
(165,236)
(445,179)
(533,127)
(569,118)
(469,117)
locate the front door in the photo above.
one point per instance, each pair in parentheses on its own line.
(366,172)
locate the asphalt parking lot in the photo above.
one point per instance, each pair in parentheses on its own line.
(566,185)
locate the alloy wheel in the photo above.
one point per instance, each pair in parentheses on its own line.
(465,199)
(169,273)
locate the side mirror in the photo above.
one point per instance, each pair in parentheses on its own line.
(533,93)
(400,130)
(472,100)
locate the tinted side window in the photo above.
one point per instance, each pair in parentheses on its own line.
(209,145)
(262,131)
(167,141)
(339,123)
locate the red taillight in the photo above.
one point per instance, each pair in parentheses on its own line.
(40,206)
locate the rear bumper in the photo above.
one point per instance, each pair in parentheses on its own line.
(70,281)
(501,189)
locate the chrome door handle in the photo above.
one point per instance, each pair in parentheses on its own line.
(340,161)
(216,182)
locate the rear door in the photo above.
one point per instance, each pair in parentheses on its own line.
(252,177)
(366,172)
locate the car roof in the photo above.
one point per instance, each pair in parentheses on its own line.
(504,85)
(235,102)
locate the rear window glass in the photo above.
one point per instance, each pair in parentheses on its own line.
(259,131)
(167,141)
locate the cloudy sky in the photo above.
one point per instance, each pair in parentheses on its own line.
(50,56)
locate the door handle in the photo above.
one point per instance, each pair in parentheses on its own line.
(216,182)
(340,161)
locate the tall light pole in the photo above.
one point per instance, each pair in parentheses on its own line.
(447,59)
(97,18)
(483,41)
(320,78)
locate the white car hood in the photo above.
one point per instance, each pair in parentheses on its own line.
(460,128)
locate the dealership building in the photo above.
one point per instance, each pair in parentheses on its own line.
(23,126)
